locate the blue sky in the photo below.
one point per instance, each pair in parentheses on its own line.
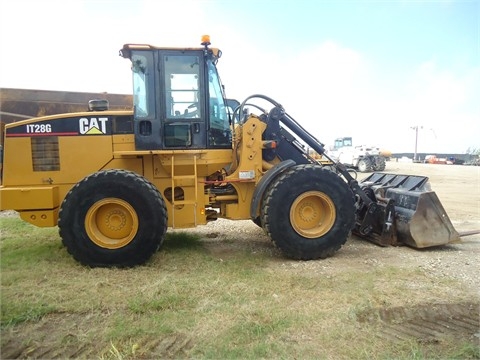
(366,69)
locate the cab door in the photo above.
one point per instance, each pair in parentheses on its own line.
(182,111)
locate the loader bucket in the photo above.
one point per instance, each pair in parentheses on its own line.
(418,217)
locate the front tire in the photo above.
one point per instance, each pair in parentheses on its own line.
(113,218)
(364,165)
(308,212)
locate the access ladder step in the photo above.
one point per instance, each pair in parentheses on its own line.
(184,177)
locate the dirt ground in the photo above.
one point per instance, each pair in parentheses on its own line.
(458,188)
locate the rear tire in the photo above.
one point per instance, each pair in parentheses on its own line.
(379,164)
(308,212)
(113,218)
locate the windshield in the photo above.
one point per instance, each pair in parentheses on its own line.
(220,134)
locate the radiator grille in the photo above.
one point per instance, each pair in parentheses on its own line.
(45,155)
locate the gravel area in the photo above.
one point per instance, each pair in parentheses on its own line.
(456,261)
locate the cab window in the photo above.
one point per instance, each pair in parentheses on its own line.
(182,86)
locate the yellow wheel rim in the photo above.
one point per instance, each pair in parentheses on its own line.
(312,214)
(111,223)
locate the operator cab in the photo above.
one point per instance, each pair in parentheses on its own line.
(342,142)
(178,98)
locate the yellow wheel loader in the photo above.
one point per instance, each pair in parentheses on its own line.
(114,181)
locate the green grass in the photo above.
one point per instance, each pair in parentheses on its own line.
(23,244)
(16,313)
(192,302)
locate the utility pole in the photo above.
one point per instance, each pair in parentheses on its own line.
(416,140)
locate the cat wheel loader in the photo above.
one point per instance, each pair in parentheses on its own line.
(114,181)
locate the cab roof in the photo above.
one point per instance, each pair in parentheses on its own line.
(127,48)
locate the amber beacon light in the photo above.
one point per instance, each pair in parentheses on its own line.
(205,40)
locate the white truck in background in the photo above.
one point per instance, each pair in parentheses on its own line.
(362,158)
